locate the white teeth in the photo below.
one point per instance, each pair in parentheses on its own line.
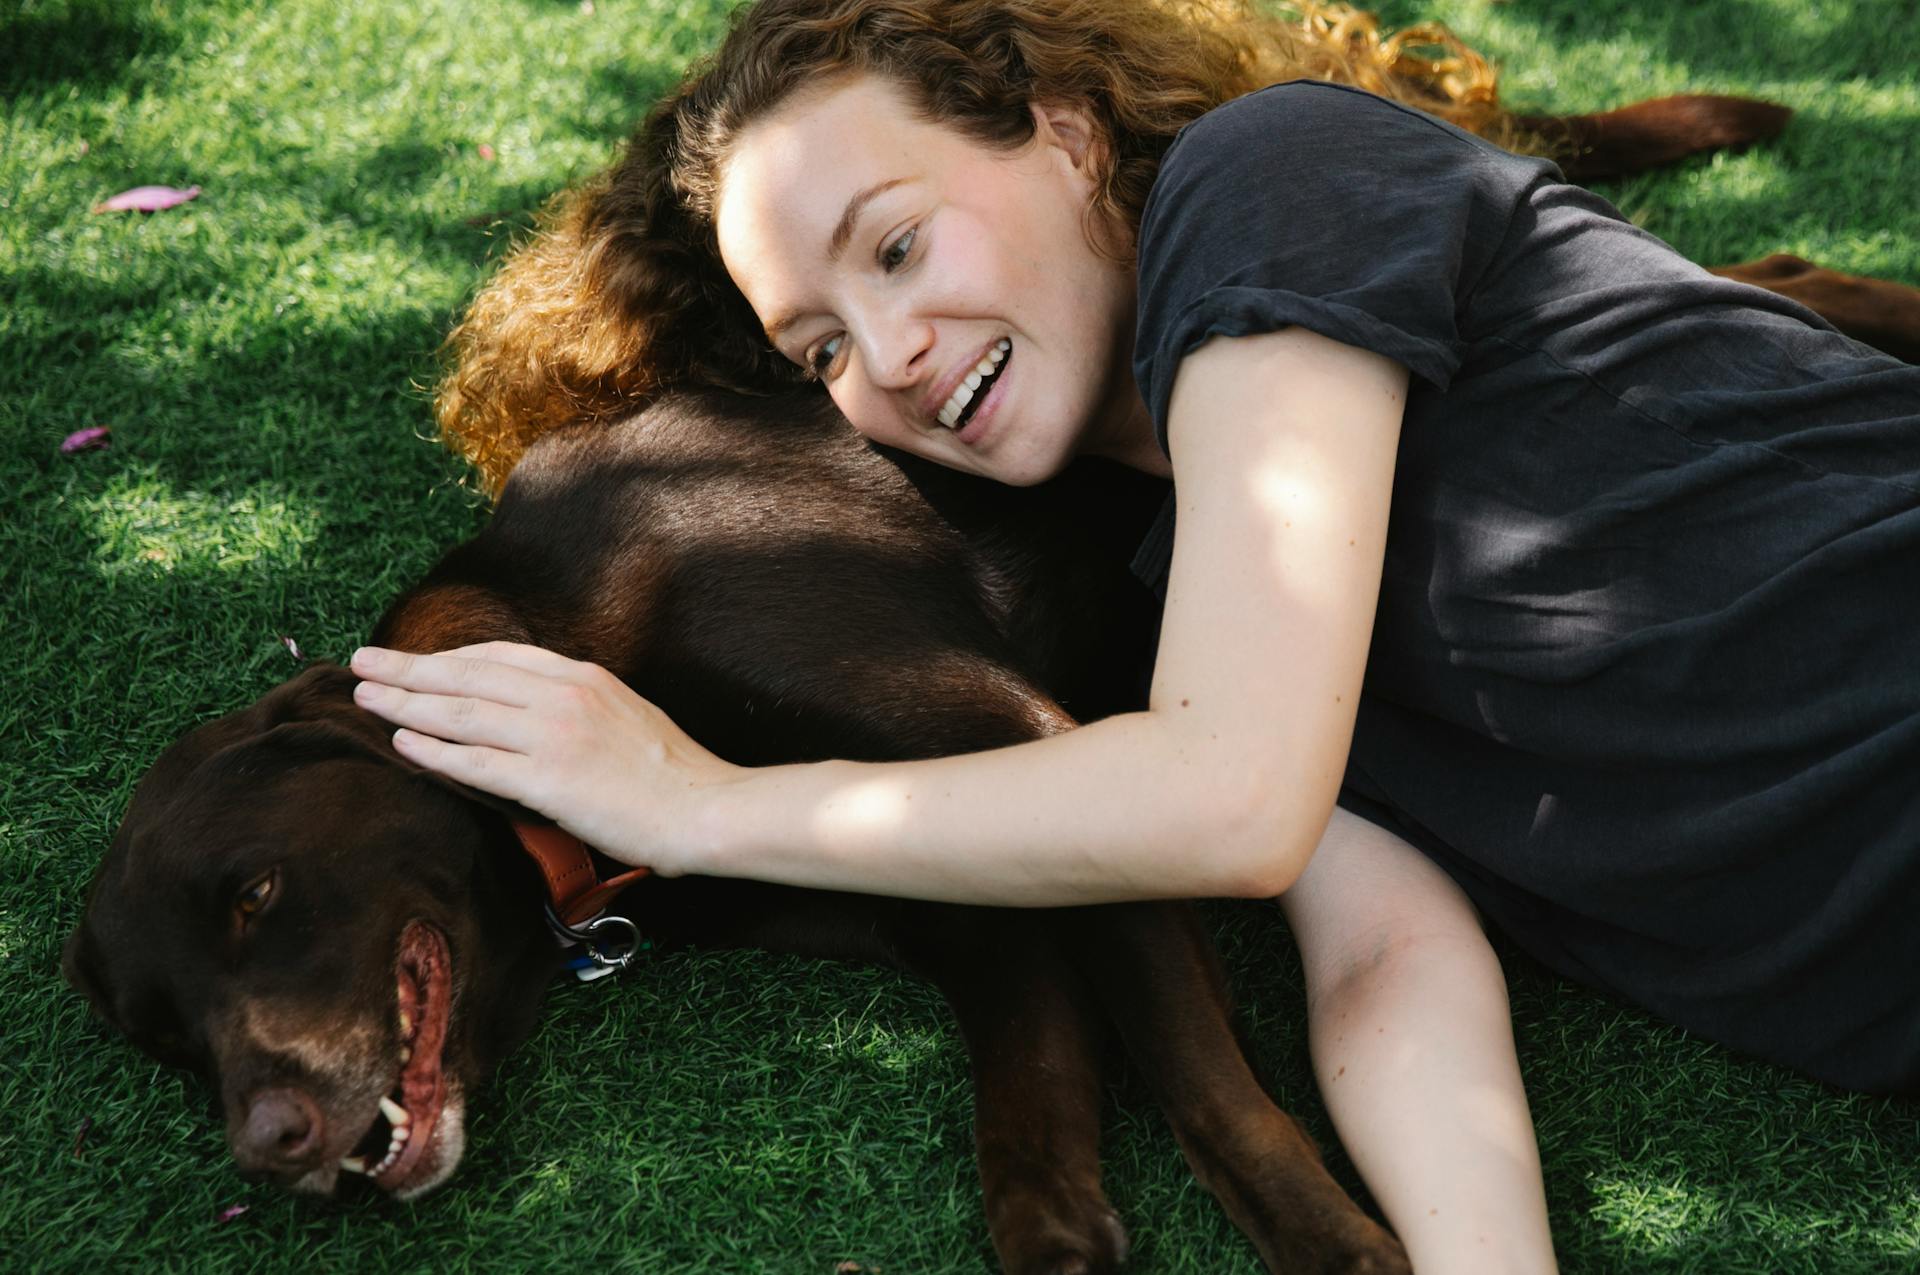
(353,1164)
(406,1055)
(394,1148)
(395,1113)
(963,393)
(406,1024)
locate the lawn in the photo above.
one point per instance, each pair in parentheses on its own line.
(260,356)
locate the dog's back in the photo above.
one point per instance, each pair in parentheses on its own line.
(786,592)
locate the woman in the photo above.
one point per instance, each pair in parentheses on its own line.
(1632,670)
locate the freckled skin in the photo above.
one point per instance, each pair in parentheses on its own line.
(999,250)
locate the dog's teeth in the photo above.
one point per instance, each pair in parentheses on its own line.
(353,1164)
(406,1055)
(395,1113)
(406,1024)
(401,1132)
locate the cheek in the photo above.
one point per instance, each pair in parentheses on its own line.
(864,410)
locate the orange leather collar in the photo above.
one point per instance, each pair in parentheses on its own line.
(573,884)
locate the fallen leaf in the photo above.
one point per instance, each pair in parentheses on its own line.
(293,647)
(232,1211)
(147,199)
(86,440)
(486,152)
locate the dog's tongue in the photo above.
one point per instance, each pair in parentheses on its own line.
(426,995)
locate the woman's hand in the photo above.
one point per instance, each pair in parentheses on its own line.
(561,737)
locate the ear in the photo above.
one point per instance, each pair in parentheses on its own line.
(1069,129)
(314,716)
(82,972)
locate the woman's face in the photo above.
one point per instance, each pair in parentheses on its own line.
(898,259)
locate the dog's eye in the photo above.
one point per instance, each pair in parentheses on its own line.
(256,894)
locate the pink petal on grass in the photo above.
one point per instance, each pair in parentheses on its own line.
(147,199)
(85,440)
(293,647)
(486,152)
(232,1211)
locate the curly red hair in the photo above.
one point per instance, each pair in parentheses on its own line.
(620,293)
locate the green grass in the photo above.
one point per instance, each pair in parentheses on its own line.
(257,354)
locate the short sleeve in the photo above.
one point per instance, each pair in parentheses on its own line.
(1320,206)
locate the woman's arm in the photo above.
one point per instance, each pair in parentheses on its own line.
(1283,447)
(1413,1046)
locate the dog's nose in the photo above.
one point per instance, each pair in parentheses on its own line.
(283,1134)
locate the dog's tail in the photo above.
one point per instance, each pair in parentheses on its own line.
(1650,134)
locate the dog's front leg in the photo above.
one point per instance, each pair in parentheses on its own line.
(1033,1041)
(1154,971)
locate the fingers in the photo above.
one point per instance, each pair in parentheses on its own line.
(534,659)
(463,719)
(503,774)
(504,672)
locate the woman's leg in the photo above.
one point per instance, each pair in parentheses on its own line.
(1413,1046)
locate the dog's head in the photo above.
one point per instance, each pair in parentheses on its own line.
(342,944)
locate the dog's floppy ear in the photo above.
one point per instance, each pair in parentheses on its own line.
(78,965)
(314,715)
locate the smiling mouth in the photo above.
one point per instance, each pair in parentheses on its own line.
(972,390)
(399,1151)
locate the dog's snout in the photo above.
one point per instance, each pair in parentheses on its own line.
(283,1134)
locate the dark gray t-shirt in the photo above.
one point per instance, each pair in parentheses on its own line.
(1645,677)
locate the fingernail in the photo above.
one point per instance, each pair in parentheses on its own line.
(367,657)
(368,693)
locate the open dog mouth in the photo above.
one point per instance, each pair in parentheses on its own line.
(403,1150)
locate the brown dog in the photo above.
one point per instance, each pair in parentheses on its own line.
(346,945)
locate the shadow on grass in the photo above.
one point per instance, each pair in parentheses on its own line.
(1788,204)
(1834,41)
(91,44)
(624,93)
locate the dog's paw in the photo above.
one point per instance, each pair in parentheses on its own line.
(1366,1250)
(1043,1224)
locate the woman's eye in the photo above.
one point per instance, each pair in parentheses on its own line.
(824,354)
(894,255)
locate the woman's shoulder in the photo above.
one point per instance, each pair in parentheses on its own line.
(1314,120)
(1327,163)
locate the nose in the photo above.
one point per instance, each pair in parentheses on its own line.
(282,1135)
(897,351)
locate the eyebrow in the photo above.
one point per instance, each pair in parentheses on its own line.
(837,242)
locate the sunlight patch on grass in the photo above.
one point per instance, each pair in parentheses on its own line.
(884,1047)
(141,524)
(552,1183)
(1655,1215)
